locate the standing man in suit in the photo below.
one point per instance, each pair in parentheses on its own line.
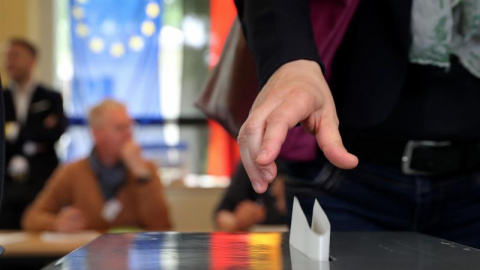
(34,121)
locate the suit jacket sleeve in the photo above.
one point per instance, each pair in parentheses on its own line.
(277,32)
(240,189)
(11,147)
(37,131)
(152,205)
(41,214)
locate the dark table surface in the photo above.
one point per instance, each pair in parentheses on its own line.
(349,250)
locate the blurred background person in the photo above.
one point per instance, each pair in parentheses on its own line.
(241,207)
(112,187)
(35,120)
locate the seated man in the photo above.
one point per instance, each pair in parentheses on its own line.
(241,207)
(114,186)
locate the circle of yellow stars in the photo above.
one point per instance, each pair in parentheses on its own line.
(117,49)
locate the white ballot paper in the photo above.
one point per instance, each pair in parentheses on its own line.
(313,242)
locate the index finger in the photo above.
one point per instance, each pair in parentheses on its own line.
(294,109)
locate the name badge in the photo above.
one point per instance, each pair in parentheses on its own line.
(111,209)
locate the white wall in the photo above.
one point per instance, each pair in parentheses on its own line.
(33,20)
(191,209)
(41,25)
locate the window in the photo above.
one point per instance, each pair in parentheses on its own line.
(150,54)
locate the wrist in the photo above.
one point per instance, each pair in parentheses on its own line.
(143,178)
(138,168)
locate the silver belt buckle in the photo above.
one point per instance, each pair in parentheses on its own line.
(407,155)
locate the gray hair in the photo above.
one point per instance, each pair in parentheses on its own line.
(96,114)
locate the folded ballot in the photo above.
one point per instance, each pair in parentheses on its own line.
(314,241)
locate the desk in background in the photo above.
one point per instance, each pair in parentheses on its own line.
(24,250)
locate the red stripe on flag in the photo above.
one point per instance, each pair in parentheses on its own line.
(223,152)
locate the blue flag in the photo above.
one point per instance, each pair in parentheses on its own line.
(115,45)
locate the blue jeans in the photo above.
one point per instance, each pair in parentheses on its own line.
(372,197)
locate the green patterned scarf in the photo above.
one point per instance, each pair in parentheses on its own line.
(444,27)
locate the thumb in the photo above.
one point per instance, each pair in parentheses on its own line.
(330,141)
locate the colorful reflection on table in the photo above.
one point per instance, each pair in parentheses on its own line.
(161,251)
(246,251)
(349,250)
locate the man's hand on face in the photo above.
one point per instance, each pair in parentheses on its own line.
(132,157)
(296,93)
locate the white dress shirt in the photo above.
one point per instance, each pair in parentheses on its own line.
(22,99)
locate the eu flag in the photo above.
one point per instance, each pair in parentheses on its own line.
(115,49)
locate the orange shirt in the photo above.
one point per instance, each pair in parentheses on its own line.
(75,184)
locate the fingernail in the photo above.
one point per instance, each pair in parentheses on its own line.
(262,154)
(257,186)
(266,174)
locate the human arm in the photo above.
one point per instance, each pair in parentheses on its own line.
(51,126)
(148,190)
(294,89)
(152,205)
(246,214)
(237,209)
(277,32)
(51,210)
(69,220)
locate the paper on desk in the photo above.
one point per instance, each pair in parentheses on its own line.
(54,237)
(12,238)
(313,242)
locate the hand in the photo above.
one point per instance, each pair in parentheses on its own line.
(69,220)
(296,92)
(226,221)
(245,215)
(51,121)
(248,213)
(132,157)
(11,131)
(278,191)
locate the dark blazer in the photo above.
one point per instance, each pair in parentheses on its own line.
(2,147)
(240,189)
(44,103)
(369,68)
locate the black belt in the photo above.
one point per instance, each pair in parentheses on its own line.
(420,157)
